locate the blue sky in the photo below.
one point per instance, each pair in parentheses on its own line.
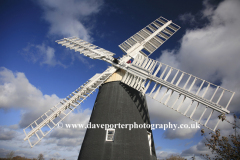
(36,72)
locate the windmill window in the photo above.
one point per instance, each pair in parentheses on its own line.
(150,142)
(110,134)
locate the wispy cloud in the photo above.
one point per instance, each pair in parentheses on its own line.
(48,55)
(43,54)
(188,18)
(67,19)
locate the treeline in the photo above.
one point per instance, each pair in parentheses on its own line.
(16,158)
(10,156)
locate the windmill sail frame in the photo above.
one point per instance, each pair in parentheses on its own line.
(150,37)
(50,119)
(160,75)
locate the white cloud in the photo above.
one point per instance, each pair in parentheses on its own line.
(67,19)
(211,53)
(225,130)
(163,115)
(81,117)
(169,58)
(43,54)
(198,149)
(7,134)
(48,55)
(166,154)
(17,92)
(187,18)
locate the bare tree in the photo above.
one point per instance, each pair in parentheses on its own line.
(175,157)
(223,147)
(193,158)
(10,155)
(40,157)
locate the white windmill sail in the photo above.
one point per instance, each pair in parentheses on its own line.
(149,38)
(49,120)
(87,49)
(164,76)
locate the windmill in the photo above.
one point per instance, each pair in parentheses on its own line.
(121,97)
